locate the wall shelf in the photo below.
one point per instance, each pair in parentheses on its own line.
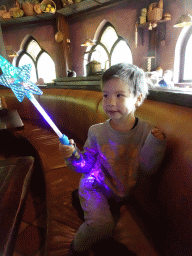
(77,8)
(27,19)
(146,25)
(85,6)
(72,10)
(84,83)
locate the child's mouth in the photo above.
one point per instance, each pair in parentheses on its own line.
(112,112)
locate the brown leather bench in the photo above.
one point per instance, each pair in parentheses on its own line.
(157,220)
(15,177)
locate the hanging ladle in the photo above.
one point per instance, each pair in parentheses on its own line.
(59,35)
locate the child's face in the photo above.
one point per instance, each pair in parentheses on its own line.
(118,101)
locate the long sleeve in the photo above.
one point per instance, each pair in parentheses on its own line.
(87,158)
(152,154)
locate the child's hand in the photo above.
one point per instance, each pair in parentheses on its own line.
(67,151)
(157,133)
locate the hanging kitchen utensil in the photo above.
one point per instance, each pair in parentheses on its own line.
(59,35)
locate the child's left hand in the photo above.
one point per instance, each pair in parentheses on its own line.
(158,134)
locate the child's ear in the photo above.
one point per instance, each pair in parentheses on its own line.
(139,100)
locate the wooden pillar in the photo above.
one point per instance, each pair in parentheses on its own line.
(152,47)
(66,43)
(2,46)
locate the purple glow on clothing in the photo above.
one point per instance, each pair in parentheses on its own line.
(80,163)
(94,176)
(97,175)
(84,163)
(97,178)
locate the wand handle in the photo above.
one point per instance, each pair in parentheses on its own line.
(65,141)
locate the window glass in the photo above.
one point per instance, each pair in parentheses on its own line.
(121,53)
(188,60)
(183,60)
(110,49)
(25,59)
(33,49)
(100,55)
(42,64)
(46,68)
(109,37)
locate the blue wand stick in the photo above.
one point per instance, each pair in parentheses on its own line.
(62,137)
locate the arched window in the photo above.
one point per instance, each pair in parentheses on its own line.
(109,49)
(42,64)
(183,56)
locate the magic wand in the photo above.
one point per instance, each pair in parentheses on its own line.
(18,79)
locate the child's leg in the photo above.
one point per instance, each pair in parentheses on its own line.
(111,247)
(98,223)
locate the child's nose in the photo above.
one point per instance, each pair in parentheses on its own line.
(112,101)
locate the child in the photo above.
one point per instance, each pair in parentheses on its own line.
(113,154)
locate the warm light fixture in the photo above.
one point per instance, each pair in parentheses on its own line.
(88,42)
(150,26)
(10,52)
(184,20)
(89,51)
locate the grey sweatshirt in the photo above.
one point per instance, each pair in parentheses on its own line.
(114,158)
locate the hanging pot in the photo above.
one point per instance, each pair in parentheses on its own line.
(93,68)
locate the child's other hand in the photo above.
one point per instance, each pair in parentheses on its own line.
(67,150)
(157,133)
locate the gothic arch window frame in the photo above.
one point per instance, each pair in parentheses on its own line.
(98,42)
(109,54)
(183,55)
(180,51)
(23,51)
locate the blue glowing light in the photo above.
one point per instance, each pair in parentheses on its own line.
(18,79)
(45,115)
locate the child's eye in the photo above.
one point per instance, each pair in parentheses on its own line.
(105,95)
(119,95)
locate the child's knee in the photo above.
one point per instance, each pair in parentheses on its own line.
(105,224)
(93,231)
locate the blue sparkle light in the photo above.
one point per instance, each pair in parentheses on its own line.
(18,79)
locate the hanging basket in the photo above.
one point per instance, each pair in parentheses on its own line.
(28,9)
(37,9)
(13,9)
(48,6)
(155,14)
(3,10)
(6,15)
